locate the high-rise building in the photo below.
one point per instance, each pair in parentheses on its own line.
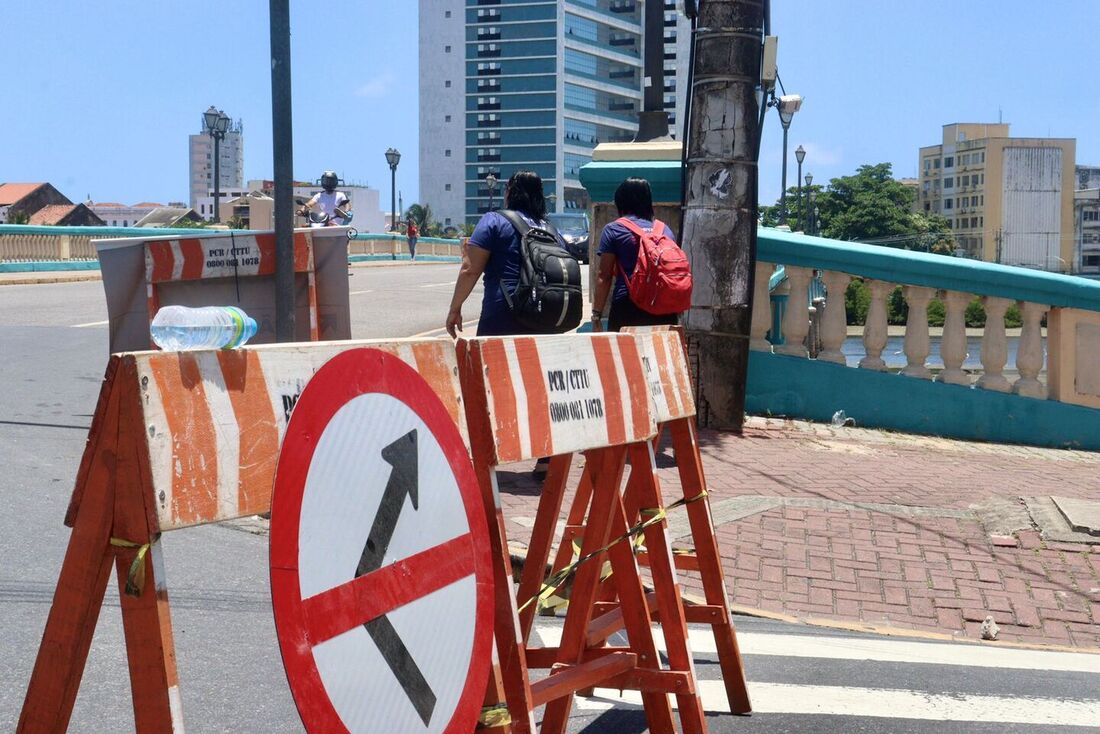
(536,84)
(1008,200)
(201,158)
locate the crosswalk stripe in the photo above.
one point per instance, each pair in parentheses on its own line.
(887,650)
(783,698)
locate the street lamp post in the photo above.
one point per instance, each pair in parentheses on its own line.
(788,104)
(800,155)
(809,203)
(812,207)
(393,157)
(217,123)
(491,184)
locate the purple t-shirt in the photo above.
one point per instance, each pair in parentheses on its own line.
(623,244)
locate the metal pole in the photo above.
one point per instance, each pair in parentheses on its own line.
(653,120)
(783,194)
(393,198)
(721,205)
(798,220)
(490,200)
(217,176)
(282,139)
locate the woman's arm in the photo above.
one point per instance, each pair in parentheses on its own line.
(474,261)
(605,275)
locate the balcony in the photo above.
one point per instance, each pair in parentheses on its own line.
(489,106)
(623,6)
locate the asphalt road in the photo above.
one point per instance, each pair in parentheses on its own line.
(52,354)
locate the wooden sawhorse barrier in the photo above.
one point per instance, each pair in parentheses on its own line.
(556,396)
(664,357)
(178,439)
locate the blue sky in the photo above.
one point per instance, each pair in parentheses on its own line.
(100,97)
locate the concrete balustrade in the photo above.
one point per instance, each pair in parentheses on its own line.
(1071,377)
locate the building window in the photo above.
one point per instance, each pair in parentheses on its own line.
(446,13)
(446,187)
(447,153)
(447,84)
(446,49)
(446,118)
(949,161)
(447,221)
(947,203)
(1091,215)
(949,182)
(936,163)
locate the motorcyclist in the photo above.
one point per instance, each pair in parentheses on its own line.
(329,208)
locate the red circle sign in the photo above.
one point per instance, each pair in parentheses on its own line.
(381,578)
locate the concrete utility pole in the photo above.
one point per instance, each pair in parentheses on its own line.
(721,205)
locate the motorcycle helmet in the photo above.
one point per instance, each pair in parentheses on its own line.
(329,181)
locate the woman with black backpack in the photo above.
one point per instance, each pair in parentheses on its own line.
(528,273)
(654,283)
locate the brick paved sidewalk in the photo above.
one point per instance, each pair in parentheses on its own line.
(885,529)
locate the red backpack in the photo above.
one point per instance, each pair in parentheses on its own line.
(661,281)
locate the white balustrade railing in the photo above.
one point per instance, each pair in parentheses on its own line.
(1030,354)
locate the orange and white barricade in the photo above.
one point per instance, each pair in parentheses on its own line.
(236,256)
(557,396)
(178,439)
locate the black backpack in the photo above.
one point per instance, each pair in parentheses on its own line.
(548,296)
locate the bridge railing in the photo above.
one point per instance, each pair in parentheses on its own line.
(1070,305)
(396,245)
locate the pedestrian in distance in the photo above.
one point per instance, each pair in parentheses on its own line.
(496,251)
(654,278)
(412,232)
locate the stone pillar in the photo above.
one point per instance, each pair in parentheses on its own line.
(953,345)
(796,320)
(994,345)
(875,330)
(1029,355)
(834,326)
(761,307)
(916,332)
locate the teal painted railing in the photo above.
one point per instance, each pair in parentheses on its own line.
(954,393)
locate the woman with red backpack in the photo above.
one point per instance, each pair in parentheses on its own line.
(654,283)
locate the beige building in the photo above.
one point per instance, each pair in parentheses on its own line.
(1009,200)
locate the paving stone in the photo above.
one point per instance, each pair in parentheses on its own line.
(1083,516)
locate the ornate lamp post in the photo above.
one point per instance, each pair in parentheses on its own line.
(788,104)
(809,205)
(217,124)
(393,157)
(491,184)
(800,155)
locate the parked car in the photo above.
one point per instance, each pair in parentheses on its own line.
(573,227)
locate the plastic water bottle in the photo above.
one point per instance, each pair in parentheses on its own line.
(179,328)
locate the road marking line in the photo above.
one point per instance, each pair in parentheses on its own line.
(785,698)
(436,285)
(359,293)
(880,650)
(90,323)
(442,330)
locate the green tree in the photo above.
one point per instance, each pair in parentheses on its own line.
(18,218)
(867,205)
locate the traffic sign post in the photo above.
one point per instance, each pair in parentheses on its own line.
(381,575)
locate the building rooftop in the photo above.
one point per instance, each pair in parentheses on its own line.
(51,214)
(10,193)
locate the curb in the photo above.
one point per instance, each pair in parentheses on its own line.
(48,266)
(45,278)
(381,258)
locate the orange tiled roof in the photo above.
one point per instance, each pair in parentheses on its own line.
(145,204)
(10,193)
(51,214)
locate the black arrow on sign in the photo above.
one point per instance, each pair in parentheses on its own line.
(402,456)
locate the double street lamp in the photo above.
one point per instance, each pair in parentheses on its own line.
(217,124)
(788,105)
(393,157)
(491,184)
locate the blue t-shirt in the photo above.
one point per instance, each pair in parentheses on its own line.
(621,242)
(497,235)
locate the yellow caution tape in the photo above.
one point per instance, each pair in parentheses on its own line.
(494,716)
(653,516)
(135,578)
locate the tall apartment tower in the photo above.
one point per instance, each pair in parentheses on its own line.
(201,159)
(536,84)
(1008,200)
